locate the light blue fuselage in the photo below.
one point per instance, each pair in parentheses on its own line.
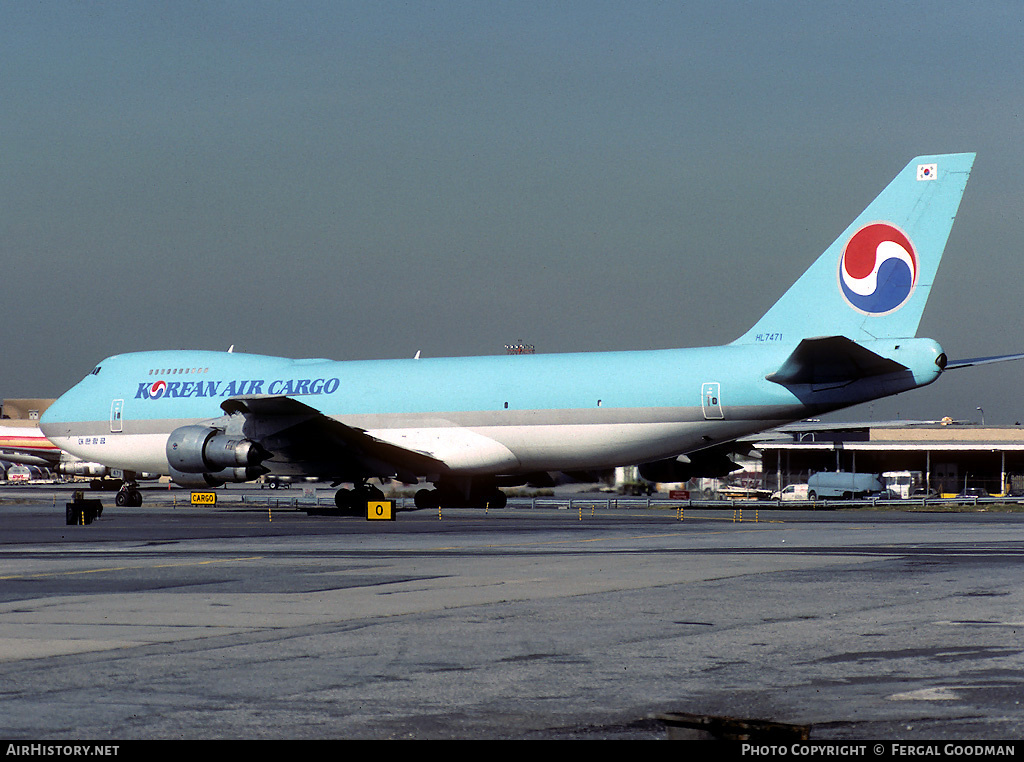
(526,412)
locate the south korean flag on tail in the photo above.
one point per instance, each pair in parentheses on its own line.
(927,171)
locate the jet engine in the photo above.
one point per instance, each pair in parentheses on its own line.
(82,468)
(218,478)
(198,454)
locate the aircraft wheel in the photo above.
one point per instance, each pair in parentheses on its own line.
(498,499)
(343,500)
(360,496)
(426,498)
(130,498)
(370,494)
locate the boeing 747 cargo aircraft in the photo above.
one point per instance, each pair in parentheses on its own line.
(843,334)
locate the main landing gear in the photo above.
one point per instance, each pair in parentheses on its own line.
(353,501)
(448,498)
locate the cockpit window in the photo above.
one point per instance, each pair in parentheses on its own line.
(96,370)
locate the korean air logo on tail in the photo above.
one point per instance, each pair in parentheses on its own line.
(878,269)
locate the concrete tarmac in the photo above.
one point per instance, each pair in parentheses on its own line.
(247,622)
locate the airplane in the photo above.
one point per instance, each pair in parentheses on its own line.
(23,443)
(843,334)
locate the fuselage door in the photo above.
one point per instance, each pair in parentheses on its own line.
(116,409)
(711,400)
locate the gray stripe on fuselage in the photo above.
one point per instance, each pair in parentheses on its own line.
(753,418)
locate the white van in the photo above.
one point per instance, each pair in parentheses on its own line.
(791,492)
(842,484)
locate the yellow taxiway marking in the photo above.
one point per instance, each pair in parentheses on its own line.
(580,540)
(108,569)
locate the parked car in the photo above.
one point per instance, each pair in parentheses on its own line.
(973,492)
(885,494)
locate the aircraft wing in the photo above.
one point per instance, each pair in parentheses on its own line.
(831,360)
(303,440)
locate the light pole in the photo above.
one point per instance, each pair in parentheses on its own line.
(982,416)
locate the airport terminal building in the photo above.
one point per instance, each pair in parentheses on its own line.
(946,457)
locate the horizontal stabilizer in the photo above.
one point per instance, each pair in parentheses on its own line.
(953,364)
(831,360)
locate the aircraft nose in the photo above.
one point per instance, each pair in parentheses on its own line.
(48,421)
(55,419)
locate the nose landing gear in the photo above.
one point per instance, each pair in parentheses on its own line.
(129,496)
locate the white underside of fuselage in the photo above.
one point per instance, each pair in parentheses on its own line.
(555,447)
(129,452)
(471,450)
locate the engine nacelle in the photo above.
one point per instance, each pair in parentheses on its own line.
(217,479)
(202,481)
(82,468)
(205,450)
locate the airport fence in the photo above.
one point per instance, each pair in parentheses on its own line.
(323,500)
(619,503)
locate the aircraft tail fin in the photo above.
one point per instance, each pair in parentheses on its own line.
(874,280)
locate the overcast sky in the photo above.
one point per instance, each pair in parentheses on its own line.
(361,180)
